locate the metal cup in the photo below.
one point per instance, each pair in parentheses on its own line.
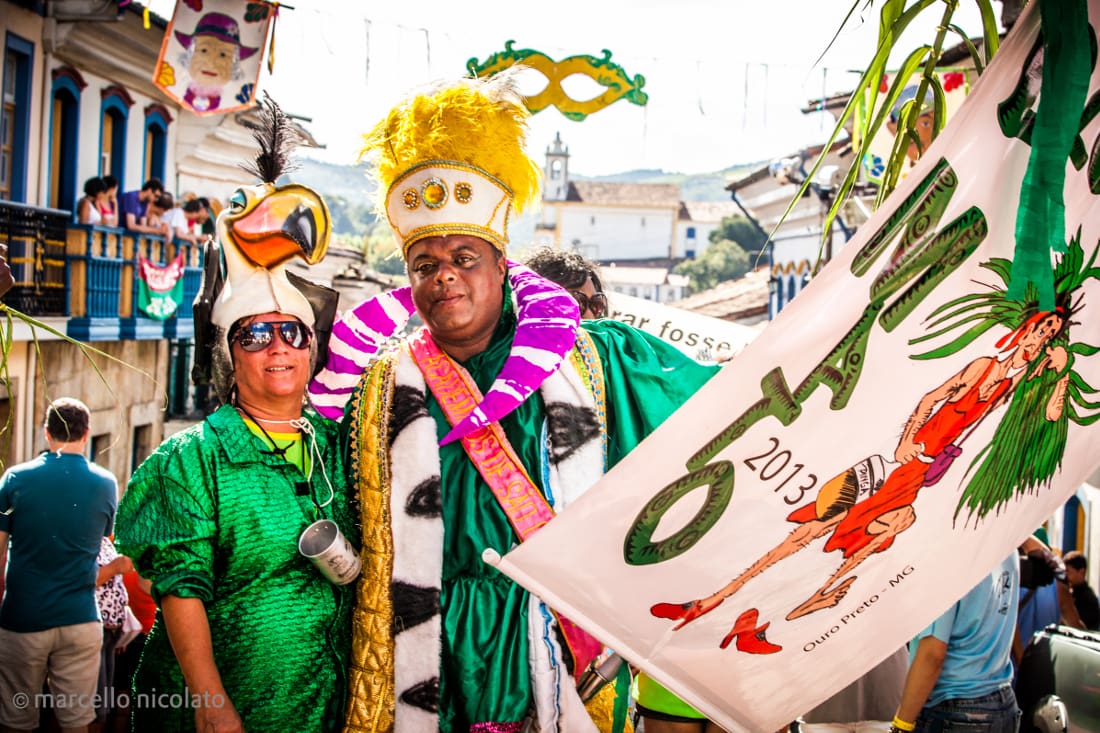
(328,549)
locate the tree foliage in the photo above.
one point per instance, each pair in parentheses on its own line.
(723,260)
(350,218)
(379,248)
(741,230)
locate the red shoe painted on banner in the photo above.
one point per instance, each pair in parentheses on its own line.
(685,613)
(750,638)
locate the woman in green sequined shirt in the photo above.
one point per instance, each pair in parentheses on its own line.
(249,635)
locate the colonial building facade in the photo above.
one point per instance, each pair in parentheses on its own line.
(78,102)
(643,229)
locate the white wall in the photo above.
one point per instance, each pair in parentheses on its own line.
(701,240)
(617,233)
(91,130)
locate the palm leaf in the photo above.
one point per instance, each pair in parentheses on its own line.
(975,56)
(894,18)
(990,37)
(87,351)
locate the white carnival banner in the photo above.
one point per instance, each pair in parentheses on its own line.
(696,335)
(877,450)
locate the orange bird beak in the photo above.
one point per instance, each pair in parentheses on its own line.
(280,223)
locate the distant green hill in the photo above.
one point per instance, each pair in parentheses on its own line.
(693,187)
(351,184)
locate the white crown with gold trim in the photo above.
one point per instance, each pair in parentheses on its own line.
(441,197)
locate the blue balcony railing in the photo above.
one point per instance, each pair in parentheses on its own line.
(103,299)
(90,274)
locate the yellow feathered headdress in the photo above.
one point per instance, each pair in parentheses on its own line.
(453,160)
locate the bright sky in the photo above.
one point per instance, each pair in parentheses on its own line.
(725,78)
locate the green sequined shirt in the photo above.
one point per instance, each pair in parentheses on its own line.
(214,514)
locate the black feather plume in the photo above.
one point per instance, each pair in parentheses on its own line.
(277,138)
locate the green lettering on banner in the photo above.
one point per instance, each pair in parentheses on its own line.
(639,547)
(946,251)
(918,257)
(777,402)
(920,205)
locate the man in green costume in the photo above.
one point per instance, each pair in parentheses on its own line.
(442,641)
(249,634)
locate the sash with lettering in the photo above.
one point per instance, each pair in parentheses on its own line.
(496,461)
(160,289)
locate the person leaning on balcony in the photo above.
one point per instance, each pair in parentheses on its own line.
(134,205)
(108,208)
(156,216)
(179,222)
(88,209)
(198,216)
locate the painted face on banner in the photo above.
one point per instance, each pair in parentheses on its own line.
(457,286)
(212,61)
(1038,335)
(924,132)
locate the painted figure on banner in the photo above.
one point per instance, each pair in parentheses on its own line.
(213,54)
(218,55)
(868,505)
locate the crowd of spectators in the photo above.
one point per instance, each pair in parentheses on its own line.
(148,210)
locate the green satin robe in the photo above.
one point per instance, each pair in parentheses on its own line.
(485,674)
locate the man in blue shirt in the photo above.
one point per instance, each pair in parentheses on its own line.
(133,205)
(960,670)
(55,510)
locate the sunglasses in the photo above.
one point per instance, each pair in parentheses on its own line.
(258,335)
(596,304)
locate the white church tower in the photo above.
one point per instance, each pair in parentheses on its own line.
(556,181)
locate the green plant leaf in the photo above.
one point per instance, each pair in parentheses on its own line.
(975,55)
(990,35)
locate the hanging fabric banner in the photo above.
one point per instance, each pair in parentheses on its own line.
(885,443)
(211,54)
(160,289)
(698,336)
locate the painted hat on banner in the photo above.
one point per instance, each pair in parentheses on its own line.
(219,26)
(910,92)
